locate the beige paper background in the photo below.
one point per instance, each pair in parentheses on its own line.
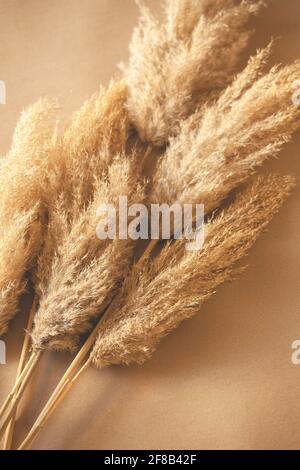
(224,380)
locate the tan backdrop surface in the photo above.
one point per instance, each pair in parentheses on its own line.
(224,379)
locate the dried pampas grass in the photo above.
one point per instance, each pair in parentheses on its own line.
(18,245)
(24,191)
(178,65)
(27,177)
(173,288)
(220,148)
(84,275)
(80,157)
(86,271)
(77,273)
(49,175)
(97,132)
(250,122)
(178,89)
(215,152)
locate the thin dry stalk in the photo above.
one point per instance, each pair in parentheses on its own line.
(14,397)
(7,442)
(60,390)
(21,377)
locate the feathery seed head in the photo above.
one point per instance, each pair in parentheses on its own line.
(169,291)
(179,65)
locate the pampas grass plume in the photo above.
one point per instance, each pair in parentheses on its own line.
(222,146)
(177,66)
(174,288)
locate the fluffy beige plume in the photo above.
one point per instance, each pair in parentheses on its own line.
(95,135)
(86,271)
(27,167)
(97,132)
(173,288)
(18,245)
(178,65)
(24,175)
(73,259)
(217,151)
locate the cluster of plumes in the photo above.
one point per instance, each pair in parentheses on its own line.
(47,180)
(174,286)
(53,179)
(60,309)
(178,90)
(177,66)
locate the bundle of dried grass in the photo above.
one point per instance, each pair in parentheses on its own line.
(84,276)
(97,132)
(205,162)
(45,178)
(178,65)
(212,152)
(174,287)
(250,122)
(102,123)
